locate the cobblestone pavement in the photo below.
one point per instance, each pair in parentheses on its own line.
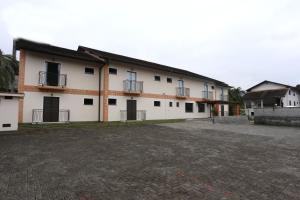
(191,160)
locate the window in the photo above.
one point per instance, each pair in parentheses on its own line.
(177,104)
(212,87)
(289,92)
(294,103)
(189,107)
(6,125)
(169,80)
(89,70)
(171,104)
(113,71)
(157,78)
(290,102)
(157,103)
(88,101)
(8,97)
(112,102)
(248,104)
(294,94)
(201,107)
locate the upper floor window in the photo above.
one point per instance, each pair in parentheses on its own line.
(205,87)
(289,92)
(157,103)
(112,102)
(181,83)
(212,87)
(131,76)
(157,78)
(8,97)
(290,102)
(169,80)
(113,71)
(89,70)
(189,107)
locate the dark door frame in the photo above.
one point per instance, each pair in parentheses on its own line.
(131,109)
(51,109)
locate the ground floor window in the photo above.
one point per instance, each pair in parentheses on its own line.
(189,107)
(157,103)
(177,104)
(201,107)
(112,102)
(171,104)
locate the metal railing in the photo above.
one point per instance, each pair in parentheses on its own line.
(133,86)
(52,79)
(38,116)
(208,95)
(224,97)
(182,92)
(140,115)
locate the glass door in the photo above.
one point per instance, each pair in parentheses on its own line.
(181,87)
(131,80)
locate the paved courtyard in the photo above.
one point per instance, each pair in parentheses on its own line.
(186,160)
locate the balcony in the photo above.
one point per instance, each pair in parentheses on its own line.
(223,97)
(208,95)
(133,87)
(182,92)
(38,116)
(48,80)
(139,115)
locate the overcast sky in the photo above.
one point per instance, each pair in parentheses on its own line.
(240,42)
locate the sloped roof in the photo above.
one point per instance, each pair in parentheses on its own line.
(268,96)
(121,58)
(266,81)
(21,43)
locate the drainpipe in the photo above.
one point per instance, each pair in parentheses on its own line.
(99,93)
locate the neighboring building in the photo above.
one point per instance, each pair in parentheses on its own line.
(270,94)
(9,104)
(91,85)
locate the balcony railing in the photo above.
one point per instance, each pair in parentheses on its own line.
(52,79)
(38,116)
(140,115)
(131,86)
(224,97)
(182,92)
(208,95)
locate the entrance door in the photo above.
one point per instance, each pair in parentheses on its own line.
(131,109)
(51,109)
(222,110)
(52,73)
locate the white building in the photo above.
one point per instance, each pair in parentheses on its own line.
(9,104)
(91,85)
(270,94)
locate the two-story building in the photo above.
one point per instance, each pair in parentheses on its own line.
(270,94)
(91,85)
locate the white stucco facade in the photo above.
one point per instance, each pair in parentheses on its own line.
(71,97)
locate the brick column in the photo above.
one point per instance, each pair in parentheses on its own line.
(105,92)
(21,81)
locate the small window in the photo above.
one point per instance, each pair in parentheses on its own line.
(290,102)
(169,80)
(157,103)
(212,87)
(89,70)
(8,97)
(157,78)
(189,107)
(6,125)
(88,101)
(289,92)
(113,71)
(201,107)
(112,102)
(177,104)
(294,94)
(171,104)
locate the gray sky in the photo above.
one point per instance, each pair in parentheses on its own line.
(240,42)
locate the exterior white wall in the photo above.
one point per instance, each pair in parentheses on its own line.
(9,113)
(152,112)
(74,69)
(267,86)
(293,97)
(74,103)
(160,87)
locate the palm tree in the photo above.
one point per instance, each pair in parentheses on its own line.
(8,69)
(236,98)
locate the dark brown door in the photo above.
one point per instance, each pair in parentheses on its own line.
(52,73)
(222,110)
(51,109)
(131,109)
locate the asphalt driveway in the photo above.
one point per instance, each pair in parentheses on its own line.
(188,160)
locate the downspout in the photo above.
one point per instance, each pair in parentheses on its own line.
(99,93)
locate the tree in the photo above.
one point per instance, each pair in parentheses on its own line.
(8,69)
(236,95)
